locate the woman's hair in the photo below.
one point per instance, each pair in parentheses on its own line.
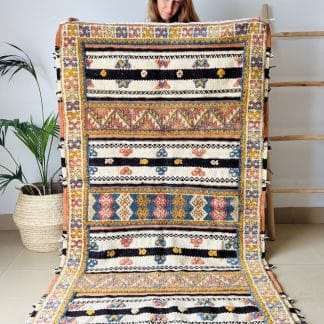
(186,12)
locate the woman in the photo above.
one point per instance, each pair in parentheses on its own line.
(172,11)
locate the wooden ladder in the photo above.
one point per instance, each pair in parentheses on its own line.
(270,217)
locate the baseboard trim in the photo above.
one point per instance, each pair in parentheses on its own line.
(288,215)
(299,215)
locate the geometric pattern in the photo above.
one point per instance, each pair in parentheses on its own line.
(162,249)
(115,207)
(157,162)
(199,305)
(172,118)
(163,137)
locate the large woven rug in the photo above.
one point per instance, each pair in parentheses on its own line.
(164,158)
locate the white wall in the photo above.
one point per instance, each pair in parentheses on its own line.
(32,26)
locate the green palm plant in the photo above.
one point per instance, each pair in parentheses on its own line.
(37,139)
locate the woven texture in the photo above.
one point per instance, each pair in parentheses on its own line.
(39,219)
(164,156)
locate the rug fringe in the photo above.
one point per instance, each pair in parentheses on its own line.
(295,312)
(62,253)
(36,308)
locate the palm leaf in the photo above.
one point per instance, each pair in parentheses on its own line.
(7,178)
(14,63)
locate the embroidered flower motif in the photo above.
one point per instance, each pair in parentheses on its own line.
(159,318)
(93,246)
(144,161)
(125,171)
(126,241)
(237,83)
(142,251)
(111,253)
(255,316)
(91,263)
(198,152)
(235,173)
(220,73)
(123,83)
(236,153)
(160,241)
(198,172)
(161,170)
(196,241)
(123,64)
(116,304)
(160,259)
(92,170)
(135,311)
(125,261)
(197,261)
(159,302)
(230,309)
(90,84)
(214,162)
(125,151)
(144,73)
(212,253)
(178,162)
(103,73)
(109,161)
(207,316)
(162,153)
(179,74)
(162,63)
(232,261)
(200,83)
(239,61)
(114,318)
(162,84)
(90,312)
(201,63)
(177,250)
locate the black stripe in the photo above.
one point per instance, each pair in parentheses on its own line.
(167,310)
(63,162)
(159,49)
(221,254)
(173,162)
(176,96)
(156,74)
(265,164)
(58,74)
(154,139)
(89,271)
(212,229)
(127,184)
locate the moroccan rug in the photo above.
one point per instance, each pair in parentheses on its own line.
(164,157)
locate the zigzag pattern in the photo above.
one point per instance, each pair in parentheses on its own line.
(164,118)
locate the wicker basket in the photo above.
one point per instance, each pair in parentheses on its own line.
(40,220)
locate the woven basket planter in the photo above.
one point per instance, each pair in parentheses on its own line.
(40,220)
